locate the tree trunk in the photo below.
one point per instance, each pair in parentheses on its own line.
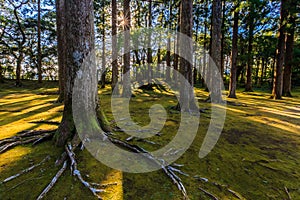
(114,47)
(39,57)
(149,50)
(287,75)
(262,72)
(18,70)
(126,57)
(257,71)
(1,74)
(186,56)
(223,38)
(80,43)
(176,49)
(234,54)
(248,87)
(103,74)
(216,79)
(61,26)
(204,70)
(278,75)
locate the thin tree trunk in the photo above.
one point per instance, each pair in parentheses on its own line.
(204,70)
(248,87)
(103,75)
(1,74)
(287,75)
(176,55)
(234,54)
(149,50)
(115,71)
(126,57)
(223,39)
(262,71)
(195,59)
(61,26)
(278,72)
(39,57)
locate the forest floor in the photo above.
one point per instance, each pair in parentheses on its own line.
(256,157)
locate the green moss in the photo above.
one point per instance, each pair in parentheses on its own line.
(257,155)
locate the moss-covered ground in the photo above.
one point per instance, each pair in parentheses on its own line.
(257,155)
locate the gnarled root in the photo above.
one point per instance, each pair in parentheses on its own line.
(25,138)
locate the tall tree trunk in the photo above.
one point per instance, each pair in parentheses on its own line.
(204,70)
(114,47)
(80,43)
(287,75)
(248,87)
(195,73)
(21,43)
(126,57)
(1,74)
(18,70)
(186,53)
(168,56)
(262,71)
(39,57)
(216,79)
(103,74)
(278,72)
(61,42)
(234,54)
(223,38)
(176,49)
(257,71)
(149,50)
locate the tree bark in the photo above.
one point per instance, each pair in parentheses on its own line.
(61,26)
(21,43)
(248,87)
(149,50)
(80,43)
(115,71)
(234,54)
(278,72)
(103,74)
(223,38)
(204,70)
(126,57)
(216,80)
(39,57)
(287,75)
(262,71)
(1,74)
(186,56)
(176,49)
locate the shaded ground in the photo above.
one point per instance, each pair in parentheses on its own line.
(257,156)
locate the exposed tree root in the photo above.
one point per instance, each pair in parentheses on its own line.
(25,170)
(25,138)
(208,194)
(77,173)
(35,137)
(287,193)
(54,180)
(169,171)
(235,194)
(45,122)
